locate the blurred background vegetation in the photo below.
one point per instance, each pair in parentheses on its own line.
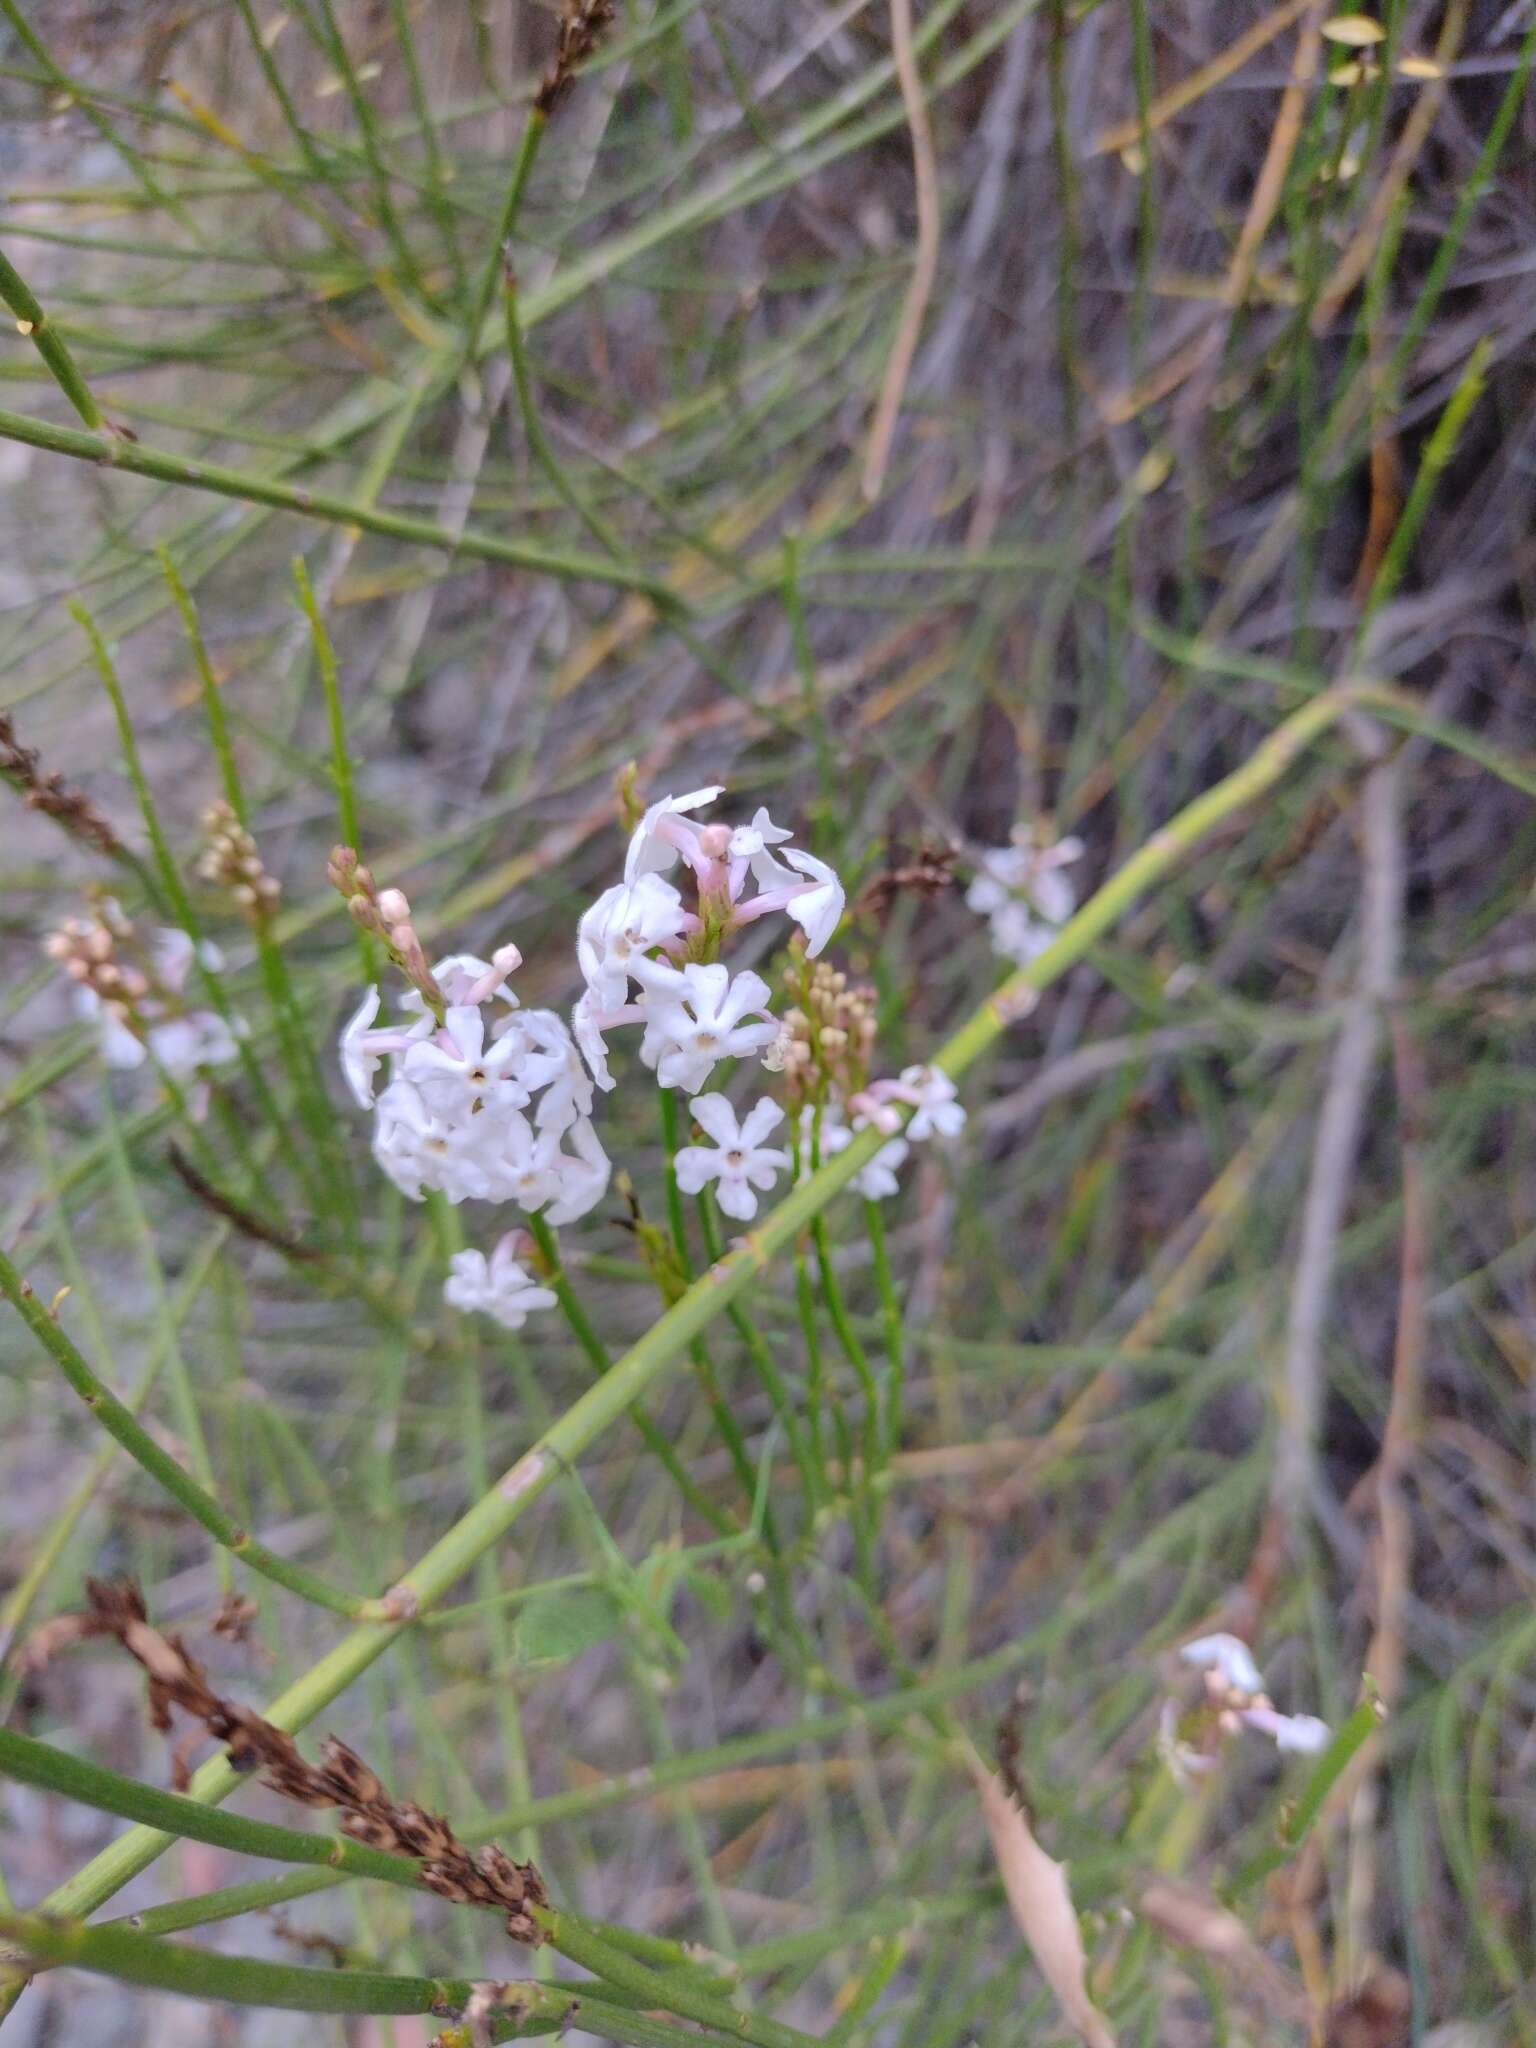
(1220,390)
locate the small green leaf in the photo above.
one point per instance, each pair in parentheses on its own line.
(554,1626)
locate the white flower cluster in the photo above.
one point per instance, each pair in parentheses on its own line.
(458,1113)
(1235,1688)
(134,994)
(1024,895)
(693,1010)
(935,1113)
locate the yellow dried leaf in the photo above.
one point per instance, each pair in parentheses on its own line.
(1354,31)
(1042,1908)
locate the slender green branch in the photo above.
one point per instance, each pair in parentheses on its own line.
(669,1991)
(511,206)
(890,1321)
(659,1350)
(255,489)
(119,1421)
(597,1354)
(45,337)
(135,1958)
(30,1762)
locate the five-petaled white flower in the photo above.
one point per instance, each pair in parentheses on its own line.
(667,833)
(936,1111)
(622,926)
(739,1162)
(500,1287)
(696,1016)
(1024,894)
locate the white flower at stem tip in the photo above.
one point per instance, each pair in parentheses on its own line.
(1023,892)
(1303,1733)
(624,924)
(877,1182)
(804,888)
(696,1016)
(739,1162)
(1228,1659)
(666,833)
(458,1074)
(936,1109)
(500,1287)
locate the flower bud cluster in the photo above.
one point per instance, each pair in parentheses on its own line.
(386,913)
(134,992)
(230,861)
(827,1055)
(829,1037)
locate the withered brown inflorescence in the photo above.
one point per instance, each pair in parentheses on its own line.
(52,795)
(483,1877)
(581,29)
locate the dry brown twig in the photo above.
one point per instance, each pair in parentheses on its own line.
(488,1877)
(52,795)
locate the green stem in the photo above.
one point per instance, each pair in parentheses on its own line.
(852,1349)
(597,1353)
(49,343)
(527,150)
(254,489)
(890,1317)
(236,1980)
(703,1364)
(761,1355)
(119,1421)
(657,1353)
(575,1939)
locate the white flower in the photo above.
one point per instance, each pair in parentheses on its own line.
(466,978)
(583,1179)
(933,1095)
(1026,896)
(740,1163)
(200,1038)
(420,1151)
(1229,1659)
(803,887)
(696,1016)
(363,1048)
(359,1060)
(621,926)
(747,840)
(550,1061)
(665,832)
(818,909)
(500,1287)
(459,1075)
(877,1181)
(589,1021)
(1302,1732)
